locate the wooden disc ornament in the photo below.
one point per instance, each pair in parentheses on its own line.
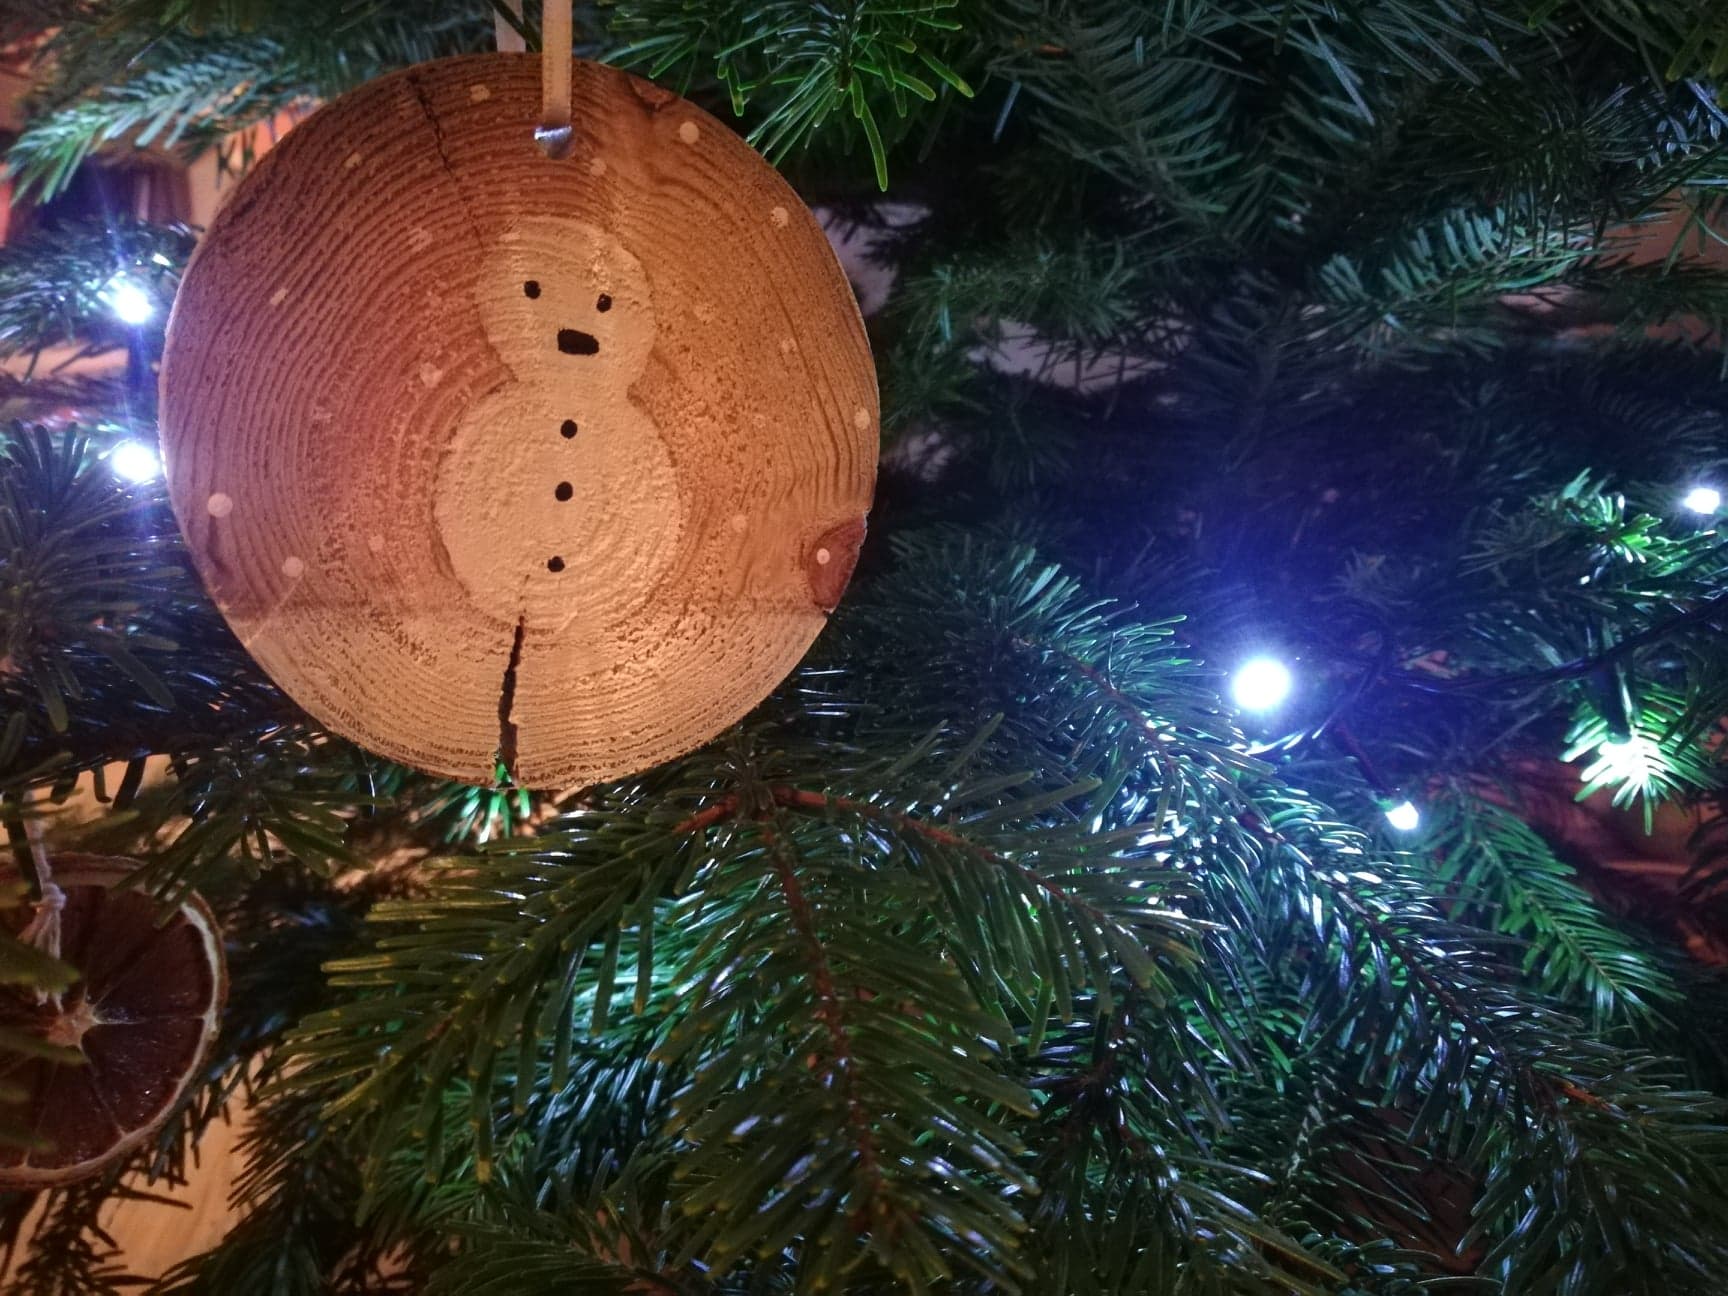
(494,456)
(142,1015)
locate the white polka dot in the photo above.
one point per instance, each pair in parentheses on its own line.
(597,166)
(219,505)
(823,557)
(279,296)
(352,161)
(479,93)
(780,216)
(860,418)
(430,374)
(740,522)
(293,568)
(689,132)
(375,542)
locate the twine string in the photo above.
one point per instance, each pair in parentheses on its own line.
(43,930)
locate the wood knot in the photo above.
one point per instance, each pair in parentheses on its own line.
(829,560)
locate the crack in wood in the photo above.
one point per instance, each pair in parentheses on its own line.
(507,699)
(424,99)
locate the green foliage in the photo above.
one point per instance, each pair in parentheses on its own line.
(1683,39)
(863,61)
(188,104)
(71,1254)
(1441,274)
(176,75)
(79,580)
(54,285)
(815,970)
(1567,1208)
(1651,763)
(1572,950)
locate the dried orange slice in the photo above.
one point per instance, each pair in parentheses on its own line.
(143,1015)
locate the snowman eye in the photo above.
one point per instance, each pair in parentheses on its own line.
(531,289)
(605,302)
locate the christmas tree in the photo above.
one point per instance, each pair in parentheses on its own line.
(1303,427)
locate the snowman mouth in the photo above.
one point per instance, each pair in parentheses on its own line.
(576,342)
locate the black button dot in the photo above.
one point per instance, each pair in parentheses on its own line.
(605,302)
(564,491)
(532,288)
(555,564)
(568,428)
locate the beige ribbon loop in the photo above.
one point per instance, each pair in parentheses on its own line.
(557,40)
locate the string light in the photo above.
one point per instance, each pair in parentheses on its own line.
(134,461)
(1626,760)
(130,303)
(1261,684)
(1703,499)
(1404,816)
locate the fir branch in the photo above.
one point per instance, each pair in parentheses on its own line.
(185,95)
(137,73)
(54,284)
(1573,950)
(862,61)
(81,583)
(71,1254)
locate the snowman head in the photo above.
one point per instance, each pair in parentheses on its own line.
(564,302)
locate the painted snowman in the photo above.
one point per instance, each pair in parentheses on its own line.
(557,499)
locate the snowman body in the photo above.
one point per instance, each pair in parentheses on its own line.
(557,501)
